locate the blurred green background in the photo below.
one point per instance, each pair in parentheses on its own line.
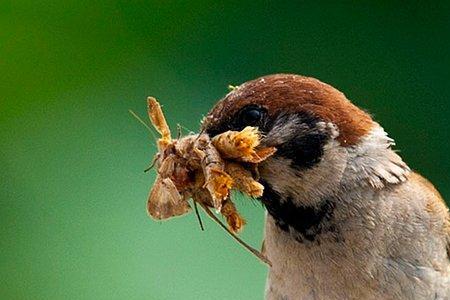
(72,190)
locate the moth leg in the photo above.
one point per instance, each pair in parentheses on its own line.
(234,219)
(152,164)
(200,222)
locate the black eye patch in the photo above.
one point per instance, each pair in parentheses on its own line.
(305,143)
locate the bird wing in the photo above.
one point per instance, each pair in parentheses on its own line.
(436,206)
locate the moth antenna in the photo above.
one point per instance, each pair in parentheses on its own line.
(255,252)
(199,134)
(178,131)
(198,216)
(185,128)
(139,119)
(155,158)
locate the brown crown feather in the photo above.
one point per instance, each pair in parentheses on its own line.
(293,93)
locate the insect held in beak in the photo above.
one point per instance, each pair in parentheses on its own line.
(205,170)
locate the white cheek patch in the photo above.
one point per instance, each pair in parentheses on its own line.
(307,186)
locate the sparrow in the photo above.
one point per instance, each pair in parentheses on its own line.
(346,217)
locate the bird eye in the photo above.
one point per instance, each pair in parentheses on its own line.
(251,115)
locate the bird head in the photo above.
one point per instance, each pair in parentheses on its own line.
(324,142)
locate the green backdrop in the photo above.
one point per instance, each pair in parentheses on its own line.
(72,190)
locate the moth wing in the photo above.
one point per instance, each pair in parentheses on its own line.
(165,201)
(260,155)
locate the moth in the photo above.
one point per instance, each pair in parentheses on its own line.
(205,170)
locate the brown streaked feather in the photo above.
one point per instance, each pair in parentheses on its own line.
(294,93)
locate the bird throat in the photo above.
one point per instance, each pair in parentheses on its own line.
(305,223)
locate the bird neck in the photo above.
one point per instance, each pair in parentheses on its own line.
(305,202)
